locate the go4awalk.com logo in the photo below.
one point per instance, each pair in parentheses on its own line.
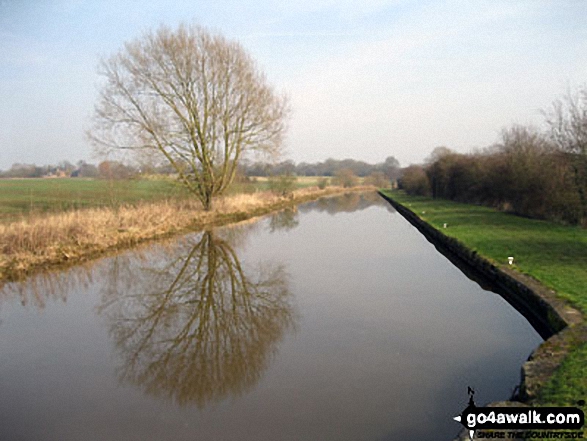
(522,422)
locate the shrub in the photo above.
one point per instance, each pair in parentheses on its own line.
(345,177)
(282,185)
(323,183)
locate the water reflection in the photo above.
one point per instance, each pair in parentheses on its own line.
(347,203)
(388,330)
(284,220)
(54,286)
(42,289)
(196,326)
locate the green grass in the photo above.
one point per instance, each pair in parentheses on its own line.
(552,253)
(569,384)
(22,196)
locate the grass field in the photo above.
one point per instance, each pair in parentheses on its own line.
(23,196)
(554,254)
(67,237)
(20,197)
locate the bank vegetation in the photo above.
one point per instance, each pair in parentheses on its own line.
(44,241)
(549,257)
(530,172)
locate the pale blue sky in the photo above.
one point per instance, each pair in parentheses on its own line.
(366,79)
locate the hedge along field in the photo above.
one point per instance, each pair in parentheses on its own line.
(23,196)
(554,254)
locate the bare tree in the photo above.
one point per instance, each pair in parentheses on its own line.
(377,179)
(390,167)
(195,98)
(567,119)
(414,180)
(438,153)
(346,177)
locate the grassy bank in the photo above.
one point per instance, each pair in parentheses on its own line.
(41,241)
(555,255)
(22,197)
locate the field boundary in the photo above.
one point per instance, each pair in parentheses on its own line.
(562,324)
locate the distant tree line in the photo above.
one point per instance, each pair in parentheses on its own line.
(62,169)
(390,168)
(65,169)
(531,172)
(344,172)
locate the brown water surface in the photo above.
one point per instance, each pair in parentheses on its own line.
(337,321)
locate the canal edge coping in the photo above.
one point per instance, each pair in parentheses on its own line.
(566,322)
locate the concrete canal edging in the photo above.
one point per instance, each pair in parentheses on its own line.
(561,325)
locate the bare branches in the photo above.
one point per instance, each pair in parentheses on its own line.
(196,98)
(567,120)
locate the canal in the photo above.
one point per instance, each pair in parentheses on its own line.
(334,321)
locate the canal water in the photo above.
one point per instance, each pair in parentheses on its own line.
(335,321)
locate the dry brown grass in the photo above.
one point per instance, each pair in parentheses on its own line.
(43,241)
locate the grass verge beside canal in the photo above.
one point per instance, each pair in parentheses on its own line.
(555,255)
(51,239)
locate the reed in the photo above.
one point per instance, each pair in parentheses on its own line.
(42,241)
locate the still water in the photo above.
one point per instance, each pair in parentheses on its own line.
(337,321)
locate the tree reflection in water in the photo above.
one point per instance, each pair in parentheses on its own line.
(42,289)
(284,220)
(197,327)
(346,203)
